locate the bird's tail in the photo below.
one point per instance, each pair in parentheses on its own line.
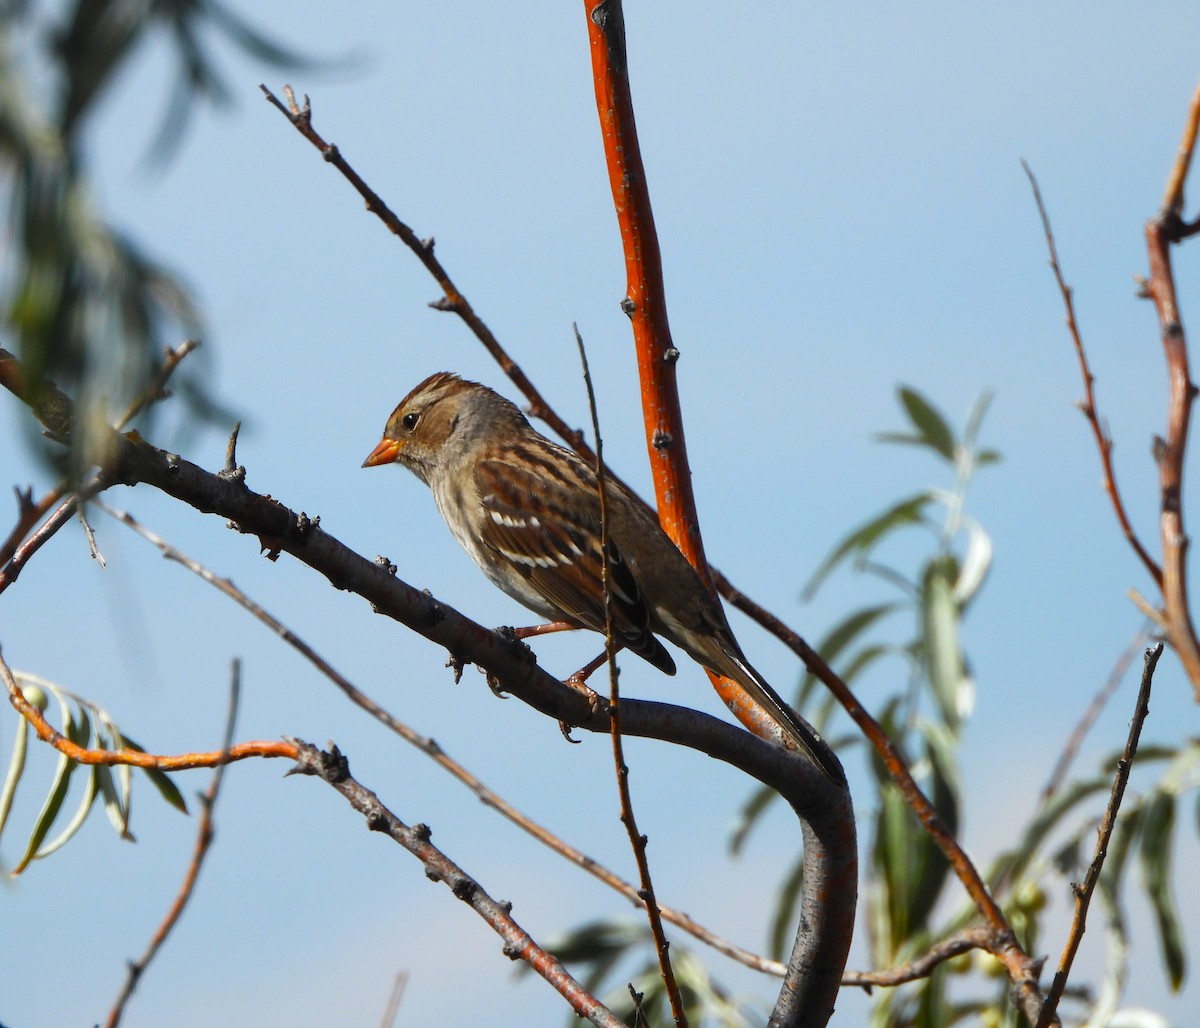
(793,725)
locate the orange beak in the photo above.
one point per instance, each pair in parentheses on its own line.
(385,453)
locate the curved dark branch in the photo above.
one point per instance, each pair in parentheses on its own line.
(826,817)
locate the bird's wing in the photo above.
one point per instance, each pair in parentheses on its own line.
(553,540)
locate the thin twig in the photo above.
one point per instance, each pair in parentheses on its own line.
(1099,701)
(941,951)
(156,390)
(1173,193)
(1083,892)
(333,768)
(1104,441)
(636,840)
(91,537)
(434,751)
(204,838)
(393,1005)
(452,299)
(34,542)
(28,515)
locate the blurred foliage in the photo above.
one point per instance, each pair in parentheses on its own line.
(909,896)
(88,726)
(81,302)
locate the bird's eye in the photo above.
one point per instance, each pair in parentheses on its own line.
(409,421)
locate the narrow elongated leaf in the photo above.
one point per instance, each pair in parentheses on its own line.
(16,766)
(939,614)
(975,565)
(117,787)
(979,410)
(934,430)
(841,635)
(162,781)
(54,798)
(1014,864)
(1158,831)
(907,512)
(984,458)
(748,816)
(117,811)
(82,809)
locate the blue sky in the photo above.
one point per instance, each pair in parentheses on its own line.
(841,209)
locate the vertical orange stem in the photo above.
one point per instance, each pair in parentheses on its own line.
(645,303)
(645,297)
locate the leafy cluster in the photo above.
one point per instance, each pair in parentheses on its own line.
(83,303)
(88,726)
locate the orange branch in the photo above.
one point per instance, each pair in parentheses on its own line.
(646,304)
(1162,231)
(134,758)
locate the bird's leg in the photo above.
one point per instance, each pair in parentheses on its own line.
(578,680)
(546,629)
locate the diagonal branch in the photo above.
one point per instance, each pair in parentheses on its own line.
(334,769)
(1083,892)
(637,841)
(204,838)
(452,299)
(1104,442)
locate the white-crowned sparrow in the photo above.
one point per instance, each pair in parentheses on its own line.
(528,513)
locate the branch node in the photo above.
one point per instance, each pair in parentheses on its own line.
(233,472)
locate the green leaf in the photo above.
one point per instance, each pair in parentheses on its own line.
(841,635)
(979,410)
(975,564)
(984,458)
(898,859)
(934,430)
(939,616)
(114,807)
(54,798)
(16,766)
(907,512)
(77,820)
(161,780)
(1157,838)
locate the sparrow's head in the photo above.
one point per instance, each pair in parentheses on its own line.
(441,422)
